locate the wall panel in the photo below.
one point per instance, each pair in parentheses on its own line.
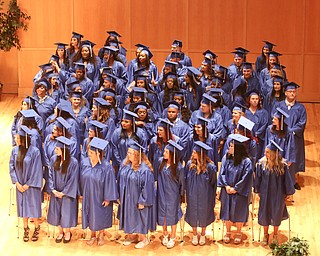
(209,24)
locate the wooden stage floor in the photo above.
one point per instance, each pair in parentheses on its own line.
(305,211)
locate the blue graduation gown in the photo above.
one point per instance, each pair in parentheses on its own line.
(63,211)
(119,70)
(260,119)
(97,184)
(235,207)
(169,192)
(273,190)
(28,202)
(296,124)
(136,187)
(46,108)
(281,141)
(201,195)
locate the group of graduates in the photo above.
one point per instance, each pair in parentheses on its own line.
(104,132)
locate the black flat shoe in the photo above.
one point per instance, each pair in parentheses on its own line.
(297,186)
(65,241)
(59,238)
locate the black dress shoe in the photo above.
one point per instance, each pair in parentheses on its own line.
(65,241)
(297,186)
(59,238)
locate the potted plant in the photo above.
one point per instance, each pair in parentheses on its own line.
(10,22)
(294,247)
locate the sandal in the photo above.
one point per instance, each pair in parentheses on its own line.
(238,238)
(171,243)
(59,238)
(227,237)
(202,240)
(275,239)
(91,241)
(265,240)
(101,240)
(26,234)
(165,240)
(195,240)
(35,235)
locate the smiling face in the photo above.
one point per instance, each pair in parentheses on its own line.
(126,124)
(41,91)
(85,52)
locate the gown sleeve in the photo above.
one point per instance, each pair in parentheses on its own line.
(243,186)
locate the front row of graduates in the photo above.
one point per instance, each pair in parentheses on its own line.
(144,201)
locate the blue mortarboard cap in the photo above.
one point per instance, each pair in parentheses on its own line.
(112,78)
(239,107)
(140,105)
(29,114)
(241,49)
(136,146)
(93,125)
(246,123)
(273,53)
(209,54)
(277,66)
(77,35)
(24,130)
(109,92)
(207,61)
(54,57)
(50,74)
(193,71)
(79,66)
(216,91)
(87,43)
(138,91)
(46,67)
(141,46)
(63,141)
(61,45)
(274,146)
(222,70)
(281,115)
(101,103)
(172,75)
(115,43)
(164,123)
(291,86)
(129,115)
(177,93)
(141,74)
(113,33)
(98,144)
(177,42)
(110,49)
(247,65)
(172,145)
(172,104)
(239,54)
(61,122)
(268,45)
(238,138)
(43,81)
(147,52)
(106,70)
(199,145)
(278,79)
(206,99)
(73,84)
(170,63)
(75,94)
(202,121)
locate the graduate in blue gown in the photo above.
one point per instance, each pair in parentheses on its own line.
(201,185)
(273,184)
(75,43)
(176,46)
(122,135)
(170,190)
(296,124)
(235,179)
(63,188)
(261,61)
(259,116)
(26,173)
(137,196)
(99,190)
(44,103)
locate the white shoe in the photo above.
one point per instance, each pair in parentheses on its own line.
(129,241)
(195,240)
(91,241)
(171,243)
(202,240)
(141,244)
(165,240)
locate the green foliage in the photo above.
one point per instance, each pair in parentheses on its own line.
(10,22)
(294,247)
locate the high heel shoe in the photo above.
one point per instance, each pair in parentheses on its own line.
(26,234)
(35,235)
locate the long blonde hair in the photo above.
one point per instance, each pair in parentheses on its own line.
(275,163)
(144,159)
(200,163)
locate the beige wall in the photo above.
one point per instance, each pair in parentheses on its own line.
(208,24)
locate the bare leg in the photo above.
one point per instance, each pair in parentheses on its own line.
(173,231)
(228,225)
(239,226)
(60,230)
(194,231)
(265,229)
(203,231)
(275,230)
(25,222)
